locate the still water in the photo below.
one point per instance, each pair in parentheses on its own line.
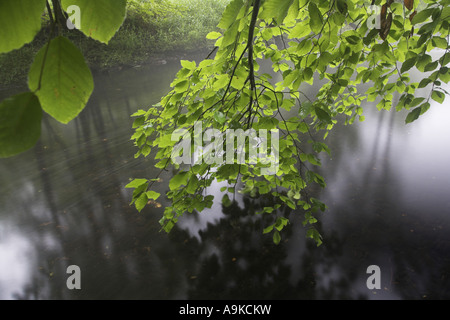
(64,203)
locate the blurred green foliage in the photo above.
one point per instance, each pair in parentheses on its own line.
(152,28)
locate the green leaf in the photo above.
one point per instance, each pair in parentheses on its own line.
(438,96)
(141,201)
(230,14)
(100,19)
(431,66)
(221,82)
(162,164)
(342,82)
(226,202)
(138,122)
(136,183)
(342,6)
(281,223)
(268,123)
(178,180)
(439,42)
(181,86)
(424,107)
(192,184)
(445,12)
(276,237)
(277,9)
(338,18)
(315,235)
(152,195)
(444,74)
(20,124)
(424,82)
(299,31)
(268,229)
(322,115)
(190,65)
(169,225)
(415,102)
(220,117)
(146,149)
(61,79)
(230,35)
(315,18)
(268,209)
(213,35)
(413,115)
(422,16)
(445,59)
(308,73)
(303,127)
(353,39)
(138,113)
(423,61)
(20,21)
(408,64)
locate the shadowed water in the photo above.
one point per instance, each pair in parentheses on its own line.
(64,203)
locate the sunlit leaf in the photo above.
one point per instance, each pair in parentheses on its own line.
(226,92)
(20,21)
(153,195)
(277,9)
(136,183)
(188,64)
(178,180)
(181,85)
(220,117)
(100,19)
(213,35)
(61,79)
(141,201)
(192,185)
(230,14)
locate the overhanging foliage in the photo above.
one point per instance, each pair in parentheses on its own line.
(335,44)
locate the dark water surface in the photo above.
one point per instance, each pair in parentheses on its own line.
(64,203)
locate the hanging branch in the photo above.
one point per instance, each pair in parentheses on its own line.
(60,16)
(251,75)
(49,10)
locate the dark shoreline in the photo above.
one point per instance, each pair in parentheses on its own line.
(152,59)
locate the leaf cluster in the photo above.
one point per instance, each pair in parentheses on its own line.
(59,81)
(327,44)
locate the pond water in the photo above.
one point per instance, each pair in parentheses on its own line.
(64,203)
